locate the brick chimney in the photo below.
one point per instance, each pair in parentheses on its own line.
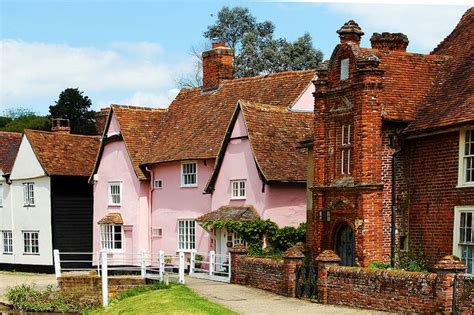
(101,119)
(389,41)
(61,125)
(216,65)
(350,32)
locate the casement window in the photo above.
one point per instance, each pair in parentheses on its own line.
(186,234)
(30,242)
(115,193)
(344,69)
(346,131)
(237,239)
(29,194)
(189,174)
(1,195)
(7,237)
(466,158)
(238,188)
(111,237)
(463,244)
(158,184)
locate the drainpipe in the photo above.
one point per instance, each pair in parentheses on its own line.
(150,203)
(395,155)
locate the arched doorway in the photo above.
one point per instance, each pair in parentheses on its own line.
(345,245)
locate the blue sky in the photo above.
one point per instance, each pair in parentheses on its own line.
(133,51)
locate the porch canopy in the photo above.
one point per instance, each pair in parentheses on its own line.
(242,213)
(111,218)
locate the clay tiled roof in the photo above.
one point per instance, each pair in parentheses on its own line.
(242,213)
(63,153)
(139,126)
(111,218)
(9,145)
(273,134)
(451,101)
(197,121)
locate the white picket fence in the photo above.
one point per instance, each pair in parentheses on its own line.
(166,268)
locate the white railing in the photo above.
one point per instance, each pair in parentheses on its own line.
(210,266)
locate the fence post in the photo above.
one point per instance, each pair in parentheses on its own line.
(142,263)
(181,267)
(192,262)
(57,263)
(212,261)
(98,263)
(162,264)
(105,282)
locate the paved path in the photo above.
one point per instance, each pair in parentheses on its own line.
(10,279)
(246,300)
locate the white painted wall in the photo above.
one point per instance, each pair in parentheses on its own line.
(305,102)
(5,219)
(26,164)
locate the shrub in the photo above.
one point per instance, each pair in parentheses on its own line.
(379,265)
(412,261)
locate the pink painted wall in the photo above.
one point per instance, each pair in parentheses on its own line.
(306,100)
(115,165)
(173,202)
(283,204)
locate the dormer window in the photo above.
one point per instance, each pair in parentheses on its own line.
(344,69)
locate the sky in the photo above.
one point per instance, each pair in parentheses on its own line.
(133,52)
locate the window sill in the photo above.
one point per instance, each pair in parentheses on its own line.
(238,198)
(465,186)
(114,205)
(188,186)
(112,251)
(9,254)
(28,206)
(184,251)
(31,254)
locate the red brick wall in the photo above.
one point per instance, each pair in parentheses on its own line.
(433,193)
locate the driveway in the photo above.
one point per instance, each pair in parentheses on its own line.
(10,279)
(246,300)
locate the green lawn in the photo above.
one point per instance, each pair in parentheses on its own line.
(176,300)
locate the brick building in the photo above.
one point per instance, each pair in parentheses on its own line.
(393,148)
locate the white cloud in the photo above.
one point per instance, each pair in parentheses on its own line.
(425,26)
(32,71)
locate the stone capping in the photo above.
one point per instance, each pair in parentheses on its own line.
(450,263)
(295,252)
(328,256)
(239,249)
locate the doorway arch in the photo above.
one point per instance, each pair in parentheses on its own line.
(344,244)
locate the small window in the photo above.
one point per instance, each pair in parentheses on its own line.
(7,242)
(111,236)
(115,193)
(31,242)
(29,194)
(1,195)
(464,236)
(466,158)
(186,234)
(237,239)
(346,149)
(238,189)
(189,174)
(345,69)
(158,184)
(156,232)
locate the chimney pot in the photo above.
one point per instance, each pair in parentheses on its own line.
(217,65)
(60,125)
(350,32)
(389,41)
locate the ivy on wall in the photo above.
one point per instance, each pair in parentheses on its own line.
(253,232)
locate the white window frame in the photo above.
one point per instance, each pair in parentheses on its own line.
(29,194)
(346,146)
(183,174)
(463,158)
(344,75)
(7,242)
(237,239)
(157,184)
(109,189)
(239,192)
(108,240)
(186,235)
(1,195)
(156,232)
(456,231)
(29,246)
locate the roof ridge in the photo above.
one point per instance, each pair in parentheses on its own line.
(11,132)
(270,107)
(62,134)
(134,107)
(264,76)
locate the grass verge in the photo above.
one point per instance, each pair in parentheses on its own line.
(176,300)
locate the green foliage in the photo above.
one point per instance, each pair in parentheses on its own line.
(73,105)
(379,265)
(19,119)
(412,261)
(26,297)
(253,231)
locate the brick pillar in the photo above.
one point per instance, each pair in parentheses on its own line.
(325,260)
(447,268)
(236,253)
(292,259)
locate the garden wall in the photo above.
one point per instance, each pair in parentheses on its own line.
(465,295)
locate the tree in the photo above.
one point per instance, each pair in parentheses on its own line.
(19,119)
(256,51)
(73,105)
